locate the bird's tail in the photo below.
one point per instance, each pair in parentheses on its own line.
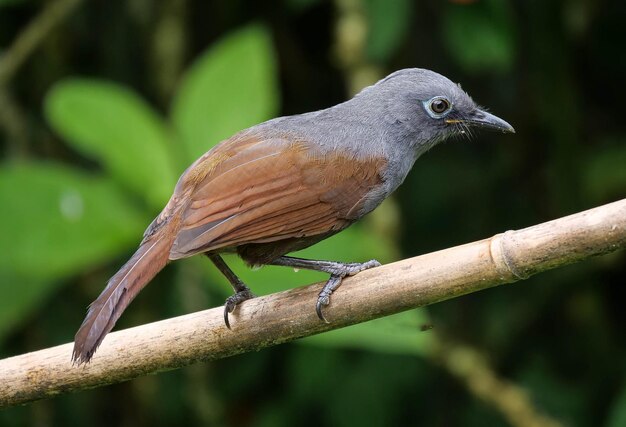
(150,258)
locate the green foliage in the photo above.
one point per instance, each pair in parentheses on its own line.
(56,222)
(230,87)
(388,27)
(4,3)
(553,393)
(480,36)
(19,296)
(112,124)
(300,5)
(61,220)
(617,416)
(350,388)
(397,334)
(605,173)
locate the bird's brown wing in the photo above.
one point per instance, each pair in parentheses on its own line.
(251,190)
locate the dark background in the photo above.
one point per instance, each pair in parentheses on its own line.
(162,81)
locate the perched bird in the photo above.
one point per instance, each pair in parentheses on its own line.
(288,183)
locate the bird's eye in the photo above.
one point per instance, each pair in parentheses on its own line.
(438,107)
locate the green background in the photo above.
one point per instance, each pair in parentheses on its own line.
(100,120)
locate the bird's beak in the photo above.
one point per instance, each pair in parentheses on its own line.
(483,119)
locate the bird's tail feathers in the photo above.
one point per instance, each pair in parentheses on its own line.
(148,260)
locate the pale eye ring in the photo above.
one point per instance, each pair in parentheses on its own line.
(438,107)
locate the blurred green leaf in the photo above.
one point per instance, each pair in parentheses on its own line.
(230,87)
(4,3)
(388,25)
(18,297)
(301,5)
(57,221)
(398,334)
(605,172)
(365,388)
(480,36)
(112,124)
(617,414)
(553,394)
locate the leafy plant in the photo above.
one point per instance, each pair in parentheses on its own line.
(480,36)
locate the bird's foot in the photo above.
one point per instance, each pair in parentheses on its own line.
(234,300)
(337,273)
(352,268)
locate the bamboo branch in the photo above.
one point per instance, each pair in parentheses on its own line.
(288,315)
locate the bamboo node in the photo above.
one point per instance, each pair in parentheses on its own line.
(501,255)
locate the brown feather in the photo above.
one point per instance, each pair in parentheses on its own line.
(271,191)
(121,289)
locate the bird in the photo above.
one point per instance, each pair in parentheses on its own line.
(288,183)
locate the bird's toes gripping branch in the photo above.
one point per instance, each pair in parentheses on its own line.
(234,300)
(337,272)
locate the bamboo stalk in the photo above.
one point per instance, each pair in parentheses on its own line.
(288,315)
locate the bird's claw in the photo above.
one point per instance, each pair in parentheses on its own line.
(228,308)
(322,301)
(233,301)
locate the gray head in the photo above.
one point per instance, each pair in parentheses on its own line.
(429,107)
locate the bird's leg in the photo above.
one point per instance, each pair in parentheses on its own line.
(242,292)
(337,271)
